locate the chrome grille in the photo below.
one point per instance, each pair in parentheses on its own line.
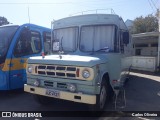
(50,73)
(71,75)
(57,71)
(62,85)
(41,67)
(57,85)
(71,69)
(41,72)
(48,84)
(60,68)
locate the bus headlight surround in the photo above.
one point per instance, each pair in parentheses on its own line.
(30,69)
(86,74)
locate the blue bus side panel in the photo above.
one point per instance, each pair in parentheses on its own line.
(17,80)
(4,80)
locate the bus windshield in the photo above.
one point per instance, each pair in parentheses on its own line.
(6,34)
(65,39)
(97,38)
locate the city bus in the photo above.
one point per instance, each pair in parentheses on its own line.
(17,43)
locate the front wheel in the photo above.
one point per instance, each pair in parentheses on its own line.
(101,98)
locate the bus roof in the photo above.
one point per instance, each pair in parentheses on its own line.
(26,24)
(88,19)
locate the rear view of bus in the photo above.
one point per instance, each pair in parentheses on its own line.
(17,43)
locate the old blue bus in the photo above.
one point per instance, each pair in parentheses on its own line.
(17,43)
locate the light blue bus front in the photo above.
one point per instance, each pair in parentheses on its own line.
(71,77)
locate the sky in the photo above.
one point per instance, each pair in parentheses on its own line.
(42,12)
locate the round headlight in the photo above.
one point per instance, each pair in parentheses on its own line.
(36,82)
(30,69)
(71,87)
(86,74)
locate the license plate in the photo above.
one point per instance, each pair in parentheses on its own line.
(53,93)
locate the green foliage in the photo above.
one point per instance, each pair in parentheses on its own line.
(145,24)
(3,21)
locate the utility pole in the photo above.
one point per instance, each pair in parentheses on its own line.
(159,37)
(28,14)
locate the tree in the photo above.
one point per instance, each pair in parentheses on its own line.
(145,24)
(3,21)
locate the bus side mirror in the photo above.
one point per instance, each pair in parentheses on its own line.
(126,38)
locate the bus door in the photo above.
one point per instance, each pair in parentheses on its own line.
(27,44)
(6,35)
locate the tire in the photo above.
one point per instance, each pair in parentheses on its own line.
(103,97)
(43,100)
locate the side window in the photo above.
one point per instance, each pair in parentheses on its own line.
(28,44)
(36,42)
(47,42)
(121,42)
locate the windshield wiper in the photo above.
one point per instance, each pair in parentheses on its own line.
(105,49)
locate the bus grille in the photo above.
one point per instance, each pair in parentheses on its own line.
(56,71)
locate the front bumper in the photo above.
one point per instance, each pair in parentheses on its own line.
(76,97)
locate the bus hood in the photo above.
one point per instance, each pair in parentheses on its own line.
(77,60)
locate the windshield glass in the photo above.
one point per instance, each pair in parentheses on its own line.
(65,39)
(97,38)
(6,34)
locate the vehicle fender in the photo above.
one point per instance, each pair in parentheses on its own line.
(102,71)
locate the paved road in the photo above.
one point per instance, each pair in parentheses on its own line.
(142,94)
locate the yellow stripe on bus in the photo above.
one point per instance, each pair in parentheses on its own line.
(14,64)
